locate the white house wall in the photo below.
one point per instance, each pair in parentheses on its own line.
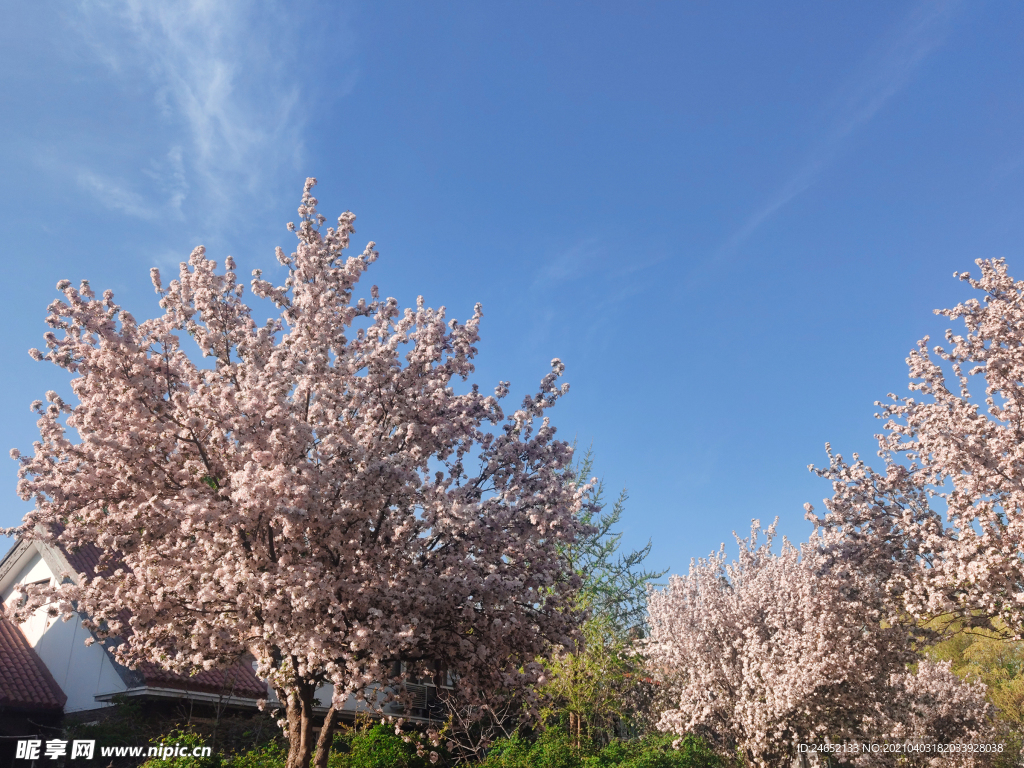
(35,569)
(82,671)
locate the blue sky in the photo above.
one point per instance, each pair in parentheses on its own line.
(731,221)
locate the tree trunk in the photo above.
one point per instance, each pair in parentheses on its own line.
(299,712)
(575,730)
(323,744)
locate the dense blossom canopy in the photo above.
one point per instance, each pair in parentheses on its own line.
(774,650)
(317,493)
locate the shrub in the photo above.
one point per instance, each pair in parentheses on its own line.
(272,755)
(554,749)
(184,738)
(655,752)
(374,747)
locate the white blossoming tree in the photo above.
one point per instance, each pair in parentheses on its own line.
(317,492)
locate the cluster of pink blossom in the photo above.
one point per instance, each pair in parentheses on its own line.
(318,494)
(935,718)
(776,650)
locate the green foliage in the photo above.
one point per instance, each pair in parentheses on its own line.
(188,738)
(655,752)
(614,583)
(997,662)
(555,749)
(272,755)
(255,753)
(590,686)
(990,657)
(376,746)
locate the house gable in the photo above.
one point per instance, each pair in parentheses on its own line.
(82,672)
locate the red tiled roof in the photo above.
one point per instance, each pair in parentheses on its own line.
(25,682)
(84,559)
(238,680)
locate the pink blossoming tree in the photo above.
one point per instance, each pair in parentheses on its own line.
(774,650)
(317,493)
(942,526)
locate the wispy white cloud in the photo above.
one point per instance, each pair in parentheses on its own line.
(594,279)
(166,188)
(592,258)
(885,71)
(574,263)
(116,195)
(226,86)
(167,176)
